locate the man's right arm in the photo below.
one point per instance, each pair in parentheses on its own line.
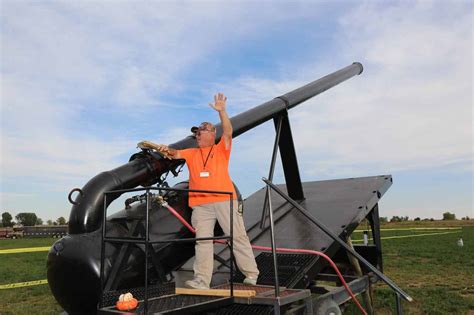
(163,149)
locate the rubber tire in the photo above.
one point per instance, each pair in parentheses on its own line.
(328,307)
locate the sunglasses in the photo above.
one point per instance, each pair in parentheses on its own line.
(204,127)
(203,130)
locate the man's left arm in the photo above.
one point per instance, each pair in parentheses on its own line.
(220,106)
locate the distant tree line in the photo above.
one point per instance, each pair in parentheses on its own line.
(28,219)
(446,216)
(396,218)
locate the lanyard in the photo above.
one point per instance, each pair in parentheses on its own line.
(209,154)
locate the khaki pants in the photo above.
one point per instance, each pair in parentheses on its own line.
(203,220)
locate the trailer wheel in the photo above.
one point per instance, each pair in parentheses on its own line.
(328,307)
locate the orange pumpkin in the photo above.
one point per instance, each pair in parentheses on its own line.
(126,302)
(127,305)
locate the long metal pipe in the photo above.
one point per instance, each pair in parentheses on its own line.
(266,111)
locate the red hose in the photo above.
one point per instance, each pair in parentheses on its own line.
(180,218)
(279,249)
(333,265)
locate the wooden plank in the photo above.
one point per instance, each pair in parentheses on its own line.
(216,292)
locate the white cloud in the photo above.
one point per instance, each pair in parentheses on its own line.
(58,160)
(410,109)
(64,62)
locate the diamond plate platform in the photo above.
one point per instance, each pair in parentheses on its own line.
(174,304)
(290,268)
(266,294)
(264,302)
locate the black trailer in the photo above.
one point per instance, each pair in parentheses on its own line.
(304,278)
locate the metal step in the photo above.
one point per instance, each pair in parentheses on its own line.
(291,268)
(265,295)
(241,309)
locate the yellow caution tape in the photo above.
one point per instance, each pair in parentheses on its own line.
(408,236)
(24,250)
(22,284)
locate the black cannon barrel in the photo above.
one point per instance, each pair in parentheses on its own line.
(266,111)
(86,216)
(260,114)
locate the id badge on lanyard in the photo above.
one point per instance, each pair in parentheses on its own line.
(205,173)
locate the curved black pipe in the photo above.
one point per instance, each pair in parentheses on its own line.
(86,216)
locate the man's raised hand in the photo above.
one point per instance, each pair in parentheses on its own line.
(219,102)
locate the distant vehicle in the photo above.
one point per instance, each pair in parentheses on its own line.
(19,231)
(11,232)
(4,232)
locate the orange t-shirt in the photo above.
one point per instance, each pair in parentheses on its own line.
(216,168)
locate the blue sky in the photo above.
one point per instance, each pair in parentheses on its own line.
(82,82)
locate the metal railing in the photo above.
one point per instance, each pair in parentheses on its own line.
(146,241)
(390,283)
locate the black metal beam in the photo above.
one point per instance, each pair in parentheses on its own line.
(374,220)
(339,294)
(120,259)
(288,159)
(278,123)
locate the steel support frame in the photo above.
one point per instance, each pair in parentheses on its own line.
(278,123)
(119,260)
(288,159)
(399,303)
(114,276)
(340,295)
(327,231)
(284,142)
(374,221)
(146,241)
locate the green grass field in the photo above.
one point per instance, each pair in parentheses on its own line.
(24,267)
(433,269)
(437,273)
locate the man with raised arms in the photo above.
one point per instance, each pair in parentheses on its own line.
(208,170)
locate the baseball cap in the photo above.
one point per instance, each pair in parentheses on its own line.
(203,126)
